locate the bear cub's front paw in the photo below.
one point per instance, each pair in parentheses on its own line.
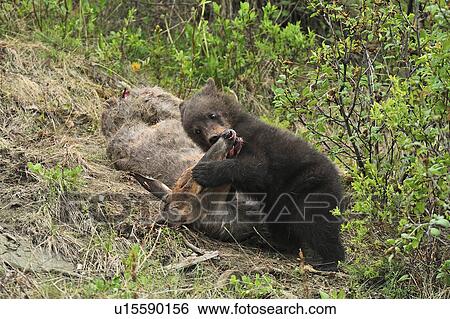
(206,174)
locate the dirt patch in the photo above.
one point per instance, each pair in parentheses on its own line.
(20,254)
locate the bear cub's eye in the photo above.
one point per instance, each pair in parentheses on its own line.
(197,131)
(212,116)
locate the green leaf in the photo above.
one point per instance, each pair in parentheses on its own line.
(341,294)
(390,242)
(435,232)
(442,222)
(324,295)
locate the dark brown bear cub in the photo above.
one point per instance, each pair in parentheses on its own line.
(301,186)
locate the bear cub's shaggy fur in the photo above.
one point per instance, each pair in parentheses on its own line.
(300,185)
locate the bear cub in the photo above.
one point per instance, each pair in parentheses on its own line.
(299,186)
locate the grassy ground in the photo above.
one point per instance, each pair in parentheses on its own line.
(50,107)
(50,103)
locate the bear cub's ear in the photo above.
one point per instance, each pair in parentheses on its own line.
(210,87)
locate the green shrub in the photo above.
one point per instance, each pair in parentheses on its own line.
(256,286)
(58,179)
(376,99)
(244,51)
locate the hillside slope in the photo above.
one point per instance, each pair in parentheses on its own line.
(78,225)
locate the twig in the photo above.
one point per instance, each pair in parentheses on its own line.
(194,248)
(193,260)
